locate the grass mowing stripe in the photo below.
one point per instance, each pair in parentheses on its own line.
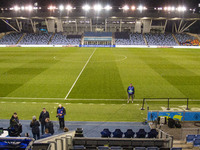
(101,79)
(80,74)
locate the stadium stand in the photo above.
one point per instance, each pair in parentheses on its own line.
(10,39)
(129,39)
(36,39)
(183,38)
(60,39)
(160,39)
(99,34)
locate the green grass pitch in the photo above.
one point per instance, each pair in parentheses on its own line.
(94,81)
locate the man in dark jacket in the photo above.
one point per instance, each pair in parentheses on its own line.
(15,127)
(49,126)
(61,116)
(35,128)
(131,92)
(43,115)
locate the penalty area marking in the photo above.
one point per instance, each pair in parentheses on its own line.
(80,74)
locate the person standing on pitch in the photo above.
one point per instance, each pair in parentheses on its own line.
(131,92)
(61,116)
(43,115)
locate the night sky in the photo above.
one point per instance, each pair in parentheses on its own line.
(117,3)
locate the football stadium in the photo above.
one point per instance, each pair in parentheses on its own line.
(100,75)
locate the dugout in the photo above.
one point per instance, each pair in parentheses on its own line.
(97,38)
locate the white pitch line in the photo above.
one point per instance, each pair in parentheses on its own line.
(80,74)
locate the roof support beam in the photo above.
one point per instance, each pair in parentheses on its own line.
(180,25)
(18,25)
(175,27)
(46,22)
(10,25)
(188,26)
(165,25)
(33,25)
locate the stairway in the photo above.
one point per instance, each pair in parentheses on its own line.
(21,38)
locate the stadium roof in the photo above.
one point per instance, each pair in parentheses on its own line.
(114,15)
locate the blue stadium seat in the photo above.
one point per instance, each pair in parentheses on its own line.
(117,133)
(196,143)
(140,148)
(116,148)
(152,148)
(103,148)
(190,138)
(153,133)
(141,133)
(176,148)
(129,133)
(79,147)
(105,133)
(197,136)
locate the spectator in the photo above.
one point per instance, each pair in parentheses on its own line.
(131,92)
(15,127)
(49,126)
(43,115)
(61,116)
(47,134)
(35,128)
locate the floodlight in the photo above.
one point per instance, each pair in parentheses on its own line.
(133,7)
(69,7)
(86,7)
(141,8)
(108,7)
(16,8)
(30,8)
(97,7)
(52,7)
(61,7)
(22,8)
(126,7)
(181,8)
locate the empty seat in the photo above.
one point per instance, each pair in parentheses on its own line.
(190,138)
(105,133)
(103,148)
(116,148)
(140,148)
(141,133)
(117,133)
(196,143)
(153,133)
(197,136)
(176,148)
(152,148)
(129,133)
(79,147)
